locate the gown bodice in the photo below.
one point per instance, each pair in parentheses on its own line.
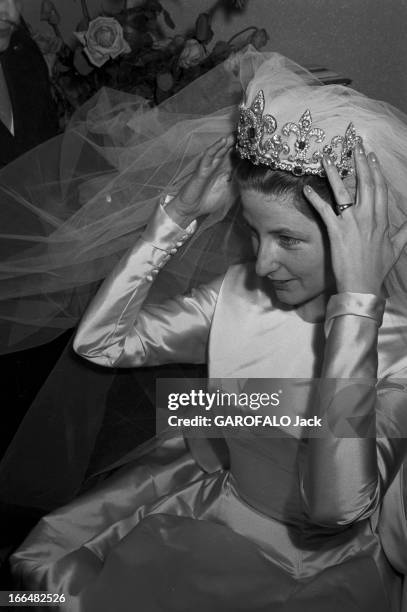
(271,343)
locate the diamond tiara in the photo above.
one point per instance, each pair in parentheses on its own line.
(258,141)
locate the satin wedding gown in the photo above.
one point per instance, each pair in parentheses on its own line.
(175,528)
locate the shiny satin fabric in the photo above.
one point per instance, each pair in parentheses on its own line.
(162,534)
(174,525)
(121,297)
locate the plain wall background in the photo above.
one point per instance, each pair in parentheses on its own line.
(361,39)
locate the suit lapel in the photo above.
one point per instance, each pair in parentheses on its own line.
(14,75)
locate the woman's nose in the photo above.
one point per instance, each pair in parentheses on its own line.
(267,259)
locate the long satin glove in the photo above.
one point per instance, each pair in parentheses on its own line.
(353,462)
(117,331)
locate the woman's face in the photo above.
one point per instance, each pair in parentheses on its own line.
(292,250)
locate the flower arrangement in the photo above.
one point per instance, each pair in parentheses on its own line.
(128,50)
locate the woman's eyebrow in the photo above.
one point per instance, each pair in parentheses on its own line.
(289,230)
(276,230)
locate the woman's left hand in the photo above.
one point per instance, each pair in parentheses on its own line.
(362,249)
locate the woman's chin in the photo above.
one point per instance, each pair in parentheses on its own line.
(286,296)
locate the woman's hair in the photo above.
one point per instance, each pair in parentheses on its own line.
(279,183)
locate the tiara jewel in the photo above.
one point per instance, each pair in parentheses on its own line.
(259,141)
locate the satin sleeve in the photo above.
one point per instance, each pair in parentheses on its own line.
(118,331)
(362,444)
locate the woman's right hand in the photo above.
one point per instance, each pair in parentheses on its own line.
(363,249)
(204,192)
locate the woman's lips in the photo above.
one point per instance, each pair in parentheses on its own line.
(280,280)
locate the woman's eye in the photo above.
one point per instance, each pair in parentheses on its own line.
(289,241)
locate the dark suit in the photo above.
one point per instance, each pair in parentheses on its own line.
(35,120)
(22,374)
(34,113)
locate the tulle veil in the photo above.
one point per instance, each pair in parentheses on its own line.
(71,207)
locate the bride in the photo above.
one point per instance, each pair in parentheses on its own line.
(294,521)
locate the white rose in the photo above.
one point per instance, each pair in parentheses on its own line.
(103,40)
